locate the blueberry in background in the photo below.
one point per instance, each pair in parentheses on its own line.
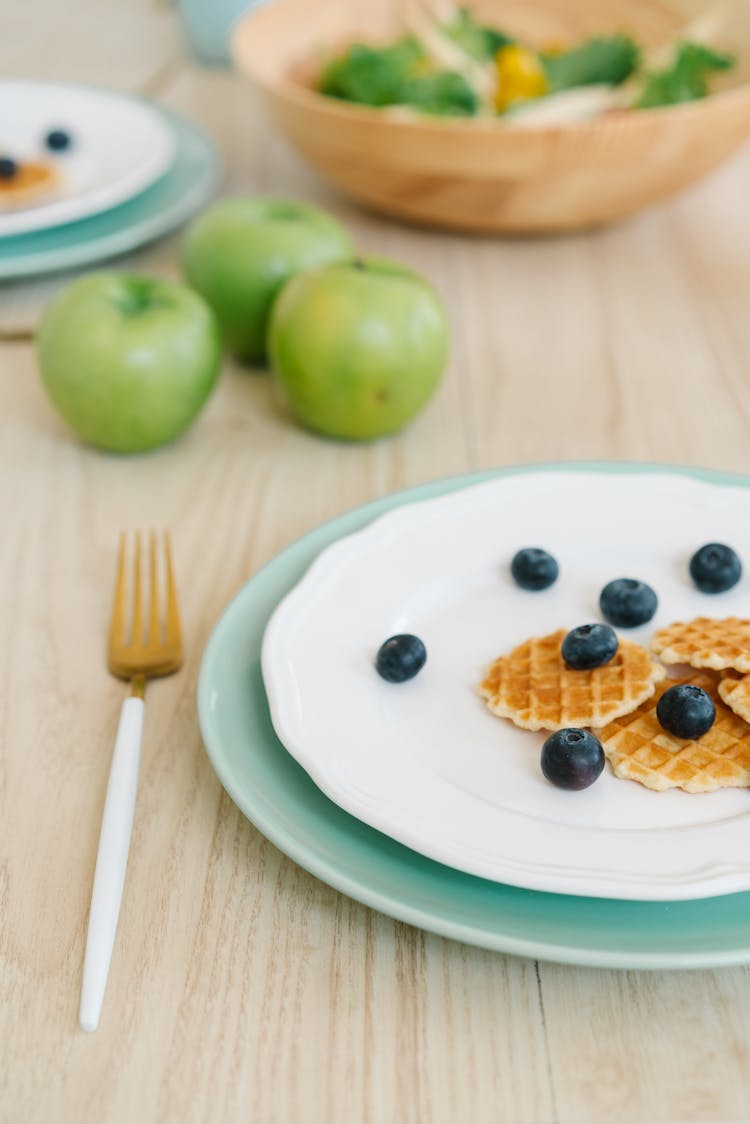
(572,758)
(589,645)
(8,168)
(400,657)
(686,711)
(533,568)
(715,568)
(627,602)
(58,140)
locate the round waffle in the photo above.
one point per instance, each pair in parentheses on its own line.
(640,749)
(31,182)
(705,642)
(533,687)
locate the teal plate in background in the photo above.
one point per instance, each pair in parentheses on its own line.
(190,182)
(276,794)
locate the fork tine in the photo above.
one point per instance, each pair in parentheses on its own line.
(173,631)
(136,636)
(117,623)
(145,638)
(154,625)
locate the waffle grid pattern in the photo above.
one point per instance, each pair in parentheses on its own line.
(533,687)
(705,642)
(736,694)
(639,749)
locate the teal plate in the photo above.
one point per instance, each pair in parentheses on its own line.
(190,182)
(277,795)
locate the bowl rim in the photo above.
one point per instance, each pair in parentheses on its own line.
(308,98)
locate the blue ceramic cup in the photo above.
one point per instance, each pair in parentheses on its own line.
(208,25)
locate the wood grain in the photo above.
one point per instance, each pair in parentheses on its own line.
(692,1075)
(242,988)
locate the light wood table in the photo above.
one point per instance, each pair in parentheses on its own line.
(242,989)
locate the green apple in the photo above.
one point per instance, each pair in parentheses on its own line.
(128,360)
(240,252)
(358,348)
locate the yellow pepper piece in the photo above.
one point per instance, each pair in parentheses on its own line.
(520,75)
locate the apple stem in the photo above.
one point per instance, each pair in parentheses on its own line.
(138,297)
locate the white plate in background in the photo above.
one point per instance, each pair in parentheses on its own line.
(119,147)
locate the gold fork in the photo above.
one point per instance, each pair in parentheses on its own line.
(142,645)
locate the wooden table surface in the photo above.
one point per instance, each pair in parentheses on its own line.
(242,989)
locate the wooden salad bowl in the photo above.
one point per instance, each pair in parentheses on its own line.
(481,174)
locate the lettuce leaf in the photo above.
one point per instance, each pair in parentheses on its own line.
(395,75)
(372,75)
(686,79)
(607,61)
(444,94)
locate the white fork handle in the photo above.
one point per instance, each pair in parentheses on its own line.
(111,861)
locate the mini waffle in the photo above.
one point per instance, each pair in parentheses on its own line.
(533,687)
(640,749)
(31,182)
(705,642)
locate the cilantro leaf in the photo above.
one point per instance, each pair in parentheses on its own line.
(686,79)
(608,60)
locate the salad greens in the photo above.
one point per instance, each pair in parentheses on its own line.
(608,60)
(445,93)
(373,75)
(686,79)
(490,73)
(399,74)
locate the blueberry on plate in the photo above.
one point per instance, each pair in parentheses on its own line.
(686,711)
(589,645)
(400,657)
(572,758)
(58,140)
(627,602)
(715,568)
(8,167)
(534,568)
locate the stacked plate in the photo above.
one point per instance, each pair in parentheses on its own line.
(414,798)
(115,172)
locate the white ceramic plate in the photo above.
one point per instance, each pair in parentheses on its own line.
(120,146)
(425,762)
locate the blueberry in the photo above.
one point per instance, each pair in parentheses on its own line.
(533,568)
(715,568)
(686,711)
(627,602)
(589,645)
(8,168)
(57,140)
(400,657)
(572,758)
